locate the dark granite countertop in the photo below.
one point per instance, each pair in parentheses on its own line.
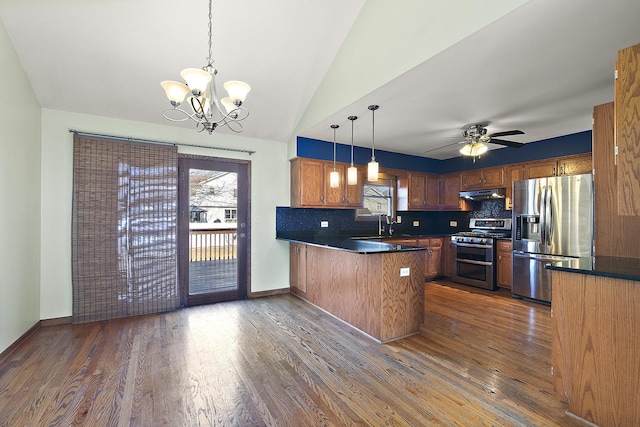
(346,243)
(614,267)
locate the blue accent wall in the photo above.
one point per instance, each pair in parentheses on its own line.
(577,143)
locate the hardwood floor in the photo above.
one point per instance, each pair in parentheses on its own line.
(482,359)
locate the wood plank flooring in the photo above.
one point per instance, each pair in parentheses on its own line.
(482,359)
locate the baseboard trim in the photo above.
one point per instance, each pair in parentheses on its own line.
(269,293)
(57,321)
(4,356)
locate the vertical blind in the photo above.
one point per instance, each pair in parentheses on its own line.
(124,228)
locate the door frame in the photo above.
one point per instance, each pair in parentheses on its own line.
(243,169)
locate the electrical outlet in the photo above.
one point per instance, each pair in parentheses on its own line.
(399,219)
(453,223)
(405,271)
(324,224)
(416,223)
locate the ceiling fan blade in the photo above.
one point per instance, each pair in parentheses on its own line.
(506,143)
(444,146)
(507,133)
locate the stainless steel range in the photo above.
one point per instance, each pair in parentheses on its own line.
(474,252)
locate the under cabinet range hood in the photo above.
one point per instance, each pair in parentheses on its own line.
(494,193)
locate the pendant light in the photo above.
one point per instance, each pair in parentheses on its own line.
(372,167)
(334,176)
(352,172)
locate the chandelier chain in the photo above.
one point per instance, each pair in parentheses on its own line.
(209,60)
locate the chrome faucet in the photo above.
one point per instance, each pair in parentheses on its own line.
(390,223)
(380,226)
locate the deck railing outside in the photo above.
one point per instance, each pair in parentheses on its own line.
(212,244)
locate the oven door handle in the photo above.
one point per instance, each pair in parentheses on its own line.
(472,245)
(470,261)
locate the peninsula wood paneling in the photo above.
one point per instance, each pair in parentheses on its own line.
(595,349)
(366,290)
(612,231)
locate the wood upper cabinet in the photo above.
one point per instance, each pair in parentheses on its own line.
(423,191)
(344,195)
(514,172)
(575,165)
(450,188)
(483,178)
(569,165)
(505,263)
(310,186)
(627,130)
(307,183)
(540,169)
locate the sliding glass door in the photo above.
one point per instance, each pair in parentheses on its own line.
(213,229)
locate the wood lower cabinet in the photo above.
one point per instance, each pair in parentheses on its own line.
(298,268)
(446,256)
(432,257)
(505,263)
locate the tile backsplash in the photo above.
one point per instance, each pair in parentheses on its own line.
(342,221)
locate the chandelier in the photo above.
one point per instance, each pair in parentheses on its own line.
(206,111)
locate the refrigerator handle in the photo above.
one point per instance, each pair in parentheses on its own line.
(549,216)
(542,204)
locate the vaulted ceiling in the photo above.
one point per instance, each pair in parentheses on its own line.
(434,67)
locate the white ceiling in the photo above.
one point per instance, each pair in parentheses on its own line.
(540,68)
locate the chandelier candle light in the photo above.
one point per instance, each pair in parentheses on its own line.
(352,172)
(334,176)
(372,167)
(207,111)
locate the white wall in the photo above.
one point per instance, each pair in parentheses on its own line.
(269,188)
(20,196)
(390,38)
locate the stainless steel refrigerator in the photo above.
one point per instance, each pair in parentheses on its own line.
(552,220)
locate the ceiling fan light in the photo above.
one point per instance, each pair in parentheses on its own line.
(175,91)
(196,79)
(237,91)
(480,149)
(466,150)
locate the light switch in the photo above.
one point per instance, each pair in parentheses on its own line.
(405,271)
(399,219)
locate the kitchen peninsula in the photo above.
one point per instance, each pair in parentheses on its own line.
(373,286)
(596,338)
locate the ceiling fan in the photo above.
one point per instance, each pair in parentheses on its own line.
(478,133)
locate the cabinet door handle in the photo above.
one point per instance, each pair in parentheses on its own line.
(554,171)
